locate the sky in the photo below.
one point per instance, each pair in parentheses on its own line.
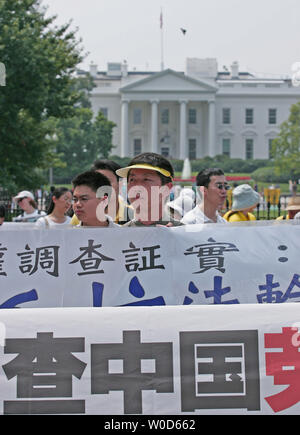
(263,36)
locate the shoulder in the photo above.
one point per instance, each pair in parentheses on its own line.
(41,222)
(191,216)
(232,216)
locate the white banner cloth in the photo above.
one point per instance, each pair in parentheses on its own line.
(237,359)
(194,264)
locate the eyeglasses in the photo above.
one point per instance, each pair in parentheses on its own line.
(222,186)
(82,199)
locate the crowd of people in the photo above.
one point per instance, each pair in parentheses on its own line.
(97,200)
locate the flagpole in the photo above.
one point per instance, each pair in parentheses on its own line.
(161,41)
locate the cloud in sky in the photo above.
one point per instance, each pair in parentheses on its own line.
(262,35)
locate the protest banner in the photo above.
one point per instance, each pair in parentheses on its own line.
(179,360)
(193,264)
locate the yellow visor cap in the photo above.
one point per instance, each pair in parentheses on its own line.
(123,172)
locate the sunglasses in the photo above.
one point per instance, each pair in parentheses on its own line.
(222,186)
(19,200)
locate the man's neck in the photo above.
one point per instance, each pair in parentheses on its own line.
(209,210)
(96,223)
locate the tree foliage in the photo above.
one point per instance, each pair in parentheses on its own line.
(40,59)
(286,147)
(81,139)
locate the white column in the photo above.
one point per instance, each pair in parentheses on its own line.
(211,128)
(124,129)
(182,135)
(154,126)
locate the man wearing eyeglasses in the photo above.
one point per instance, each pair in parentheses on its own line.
(90,198)
(213,189)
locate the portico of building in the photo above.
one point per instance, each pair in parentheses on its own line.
(168,114)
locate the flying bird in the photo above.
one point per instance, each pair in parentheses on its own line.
(183,30)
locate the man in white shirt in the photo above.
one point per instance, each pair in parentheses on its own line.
(90,198)
(213,189)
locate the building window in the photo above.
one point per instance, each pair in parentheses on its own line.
(272,116)
(226,147)
(226,116)
(249,116)
(165,116)
(249,149)
(165,151)
(192,149)
(192,116)
(270,148)
(137,146)
(137,116)
(104,111)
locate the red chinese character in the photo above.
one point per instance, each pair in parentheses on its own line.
(284,365)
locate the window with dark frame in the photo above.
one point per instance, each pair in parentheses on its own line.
(249,116)
(249,149)
(137,146)
(226,115)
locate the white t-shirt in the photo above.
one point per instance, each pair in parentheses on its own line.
(46,222)
(29,217)
(111,223)
(297,215)
(196,216)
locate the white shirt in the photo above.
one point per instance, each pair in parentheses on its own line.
(29,217)
(46,222)
(196,216)
(111,223)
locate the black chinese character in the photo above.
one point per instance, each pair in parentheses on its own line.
(93,259)
(211,254)
(133,263)
(44,368)
(130,377)
(219,370)
(45,257)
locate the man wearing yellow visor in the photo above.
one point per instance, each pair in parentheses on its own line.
(149,181)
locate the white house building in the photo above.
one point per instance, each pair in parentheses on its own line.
(198,113)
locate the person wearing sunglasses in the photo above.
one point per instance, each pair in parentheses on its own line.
(30,212)
(213,188)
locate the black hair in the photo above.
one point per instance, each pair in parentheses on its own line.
(109,165)
(92,179)
(154,159)
(58,192)
(203,177)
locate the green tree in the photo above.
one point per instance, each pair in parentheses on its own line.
(40,59)
(81,139)
(285,149)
